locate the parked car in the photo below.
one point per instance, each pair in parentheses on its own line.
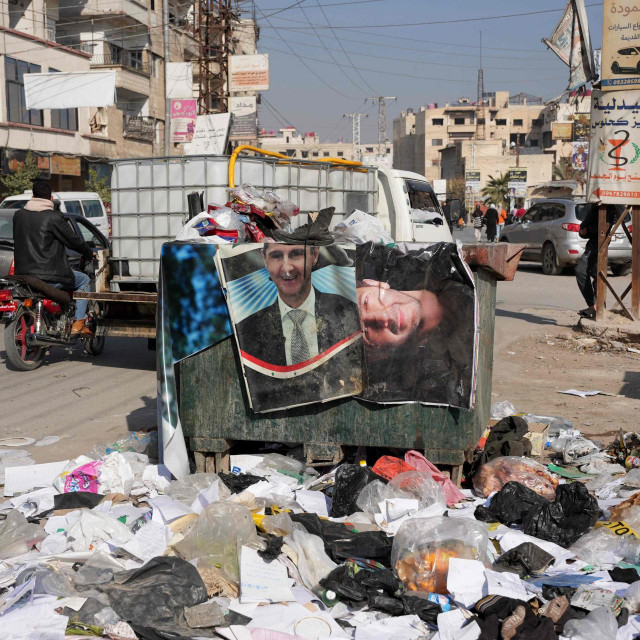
(82,203)
(550,231)
(626,60)
(80,225)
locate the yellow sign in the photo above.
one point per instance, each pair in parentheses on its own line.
(620,42)
(619,528)
(562,130)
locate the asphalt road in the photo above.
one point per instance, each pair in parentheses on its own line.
(99,399)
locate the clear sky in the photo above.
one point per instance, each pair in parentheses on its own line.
(419,63)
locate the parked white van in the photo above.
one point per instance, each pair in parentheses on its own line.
(83,203)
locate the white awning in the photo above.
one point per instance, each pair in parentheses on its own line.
(69,90)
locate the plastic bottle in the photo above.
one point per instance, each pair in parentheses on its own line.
(632,462)
(330,598)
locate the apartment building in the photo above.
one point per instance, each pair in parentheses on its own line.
(419,137)
(308,145)
(67,35)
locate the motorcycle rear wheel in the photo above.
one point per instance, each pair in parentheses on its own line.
(19,354)
(95,346)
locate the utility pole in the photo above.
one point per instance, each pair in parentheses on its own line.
(382,119)
(480,113)
(215,22)
(167,101)
(355,125)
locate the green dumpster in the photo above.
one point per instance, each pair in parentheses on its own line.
(213,421)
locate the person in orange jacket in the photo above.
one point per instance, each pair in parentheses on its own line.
(502,218)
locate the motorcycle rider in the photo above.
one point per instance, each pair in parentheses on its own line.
(40,235)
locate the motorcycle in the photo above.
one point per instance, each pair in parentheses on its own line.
(38,316)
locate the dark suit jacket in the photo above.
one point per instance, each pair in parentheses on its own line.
(261,333)
(261,336)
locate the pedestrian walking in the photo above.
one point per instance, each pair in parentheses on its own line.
(502,218)
(476,219)
(491,218)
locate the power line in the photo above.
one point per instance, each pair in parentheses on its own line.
(343,49)
(455,21)
(275,13)
(336,4)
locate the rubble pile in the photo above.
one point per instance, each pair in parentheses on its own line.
(108,545)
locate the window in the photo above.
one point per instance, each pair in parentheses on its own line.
(501,122)
(14,74)
(92,208)
(458,121)
(89,235)
(480,120)
(533,142)
(547,140)
(436,142)
(325,154)
(73,206)
(64,118)
(517,122)
(369,149)
(315,154)
(388,150)
(340,154)
(437,122)
(305,154)
(421,196)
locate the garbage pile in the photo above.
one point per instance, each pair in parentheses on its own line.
(108,545)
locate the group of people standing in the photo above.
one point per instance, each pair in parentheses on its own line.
(492,220)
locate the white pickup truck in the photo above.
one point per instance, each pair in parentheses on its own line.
(149,201)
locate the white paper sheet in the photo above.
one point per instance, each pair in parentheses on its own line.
(243,463)
(149,541)
(395,508)
(581,394)
(262,580)
(313,502)
(206,497)
(455,625)
(394,628)
(168,509)
(37,501)
(22,479)
(466,580)
(507,584)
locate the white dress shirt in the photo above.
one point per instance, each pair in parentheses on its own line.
(309,327)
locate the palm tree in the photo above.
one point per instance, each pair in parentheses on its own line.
(496,190)
(564,170)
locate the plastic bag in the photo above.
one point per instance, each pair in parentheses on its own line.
(84,478)
(632,597)
(186,489)
(350,481)
(388,467)
(312,561)
(578,450)
(375,493)
(421,486)
(502,409)
(422,548)
(17,536)
(137,441)
(600,623)
(603,547)
(494,475)
(510,505)
(360,227)
(451,493)
(202,228)
(219,531)
(116,475)
(250,195)
(573,513)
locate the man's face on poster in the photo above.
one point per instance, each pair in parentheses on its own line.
(391,318)
(290,269)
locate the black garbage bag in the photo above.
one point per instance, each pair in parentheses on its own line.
(527,559)
(426,610)
(274,547)
(342,542)
(237,483)
(563,521)
(506,439)
(387,604)
(156,594)
(510,505)
(351,479)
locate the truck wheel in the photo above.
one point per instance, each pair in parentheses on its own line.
(620,269)
(95,346)
(19,354)
(550,266)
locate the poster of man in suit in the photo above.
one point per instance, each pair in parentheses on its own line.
(295,320)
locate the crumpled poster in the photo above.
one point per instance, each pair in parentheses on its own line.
(418,311)
(192,315)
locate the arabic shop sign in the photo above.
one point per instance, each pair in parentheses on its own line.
(614,148)
(620,45)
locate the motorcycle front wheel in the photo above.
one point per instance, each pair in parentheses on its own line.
(19,354)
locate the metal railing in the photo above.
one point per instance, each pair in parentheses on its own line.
(139,127)
(121,59)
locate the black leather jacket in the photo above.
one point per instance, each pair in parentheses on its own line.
(40,238)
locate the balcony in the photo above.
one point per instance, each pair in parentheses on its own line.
(138,127)
(461,128)
(132,74)
(128,10)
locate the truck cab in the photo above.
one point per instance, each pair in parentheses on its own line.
(408,207)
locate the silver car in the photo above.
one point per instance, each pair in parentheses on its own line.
(550,229)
